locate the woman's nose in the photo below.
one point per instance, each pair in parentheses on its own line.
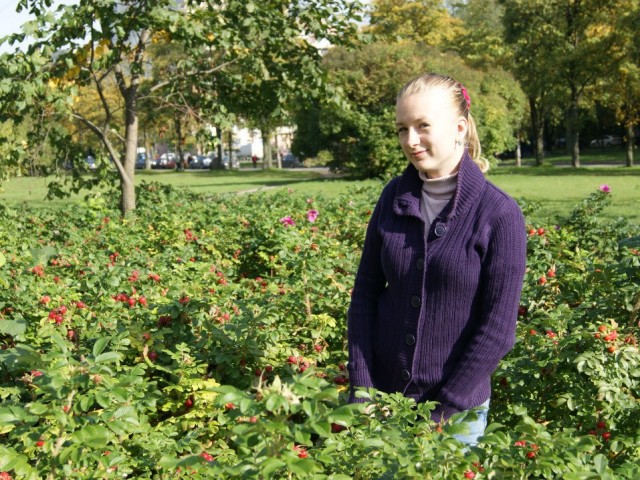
(412,137)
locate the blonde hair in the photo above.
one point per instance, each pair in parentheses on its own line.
(459,99)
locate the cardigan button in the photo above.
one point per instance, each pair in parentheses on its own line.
(410,339)
(406,375)
(420,263)
(416,301)
(440,230)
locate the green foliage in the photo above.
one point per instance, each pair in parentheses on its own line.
(402,20)
(360,133)
(86,68)
(212,345)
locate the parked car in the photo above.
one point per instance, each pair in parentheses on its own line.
(606,141)
(141,160)
(291,161)
(206,161)
(166,160)
(235,163)
(194,161)
(199,161)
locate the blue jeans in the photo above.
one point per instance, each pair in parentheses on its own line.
(476,427)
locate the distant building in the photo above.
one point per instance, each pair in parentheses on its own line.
(249,142)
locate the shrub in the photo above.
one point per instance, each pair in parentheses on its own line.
(205,338)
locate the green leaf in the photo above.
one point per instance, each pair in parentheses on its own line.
(71,450)
(492,427)
(270,466)
(3,260)
(108,357)
(12,460)
(15,328)
(103,399)
(601,463)
(274,402)
(10,415)
(21,356)
(41,255)
(37,408)
(343,415)
(373,443)
(322,428)
(301,466)
(94,436)
(100,345)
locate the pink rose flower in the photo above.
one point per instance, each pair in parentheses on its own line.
(287,221)
(312,215)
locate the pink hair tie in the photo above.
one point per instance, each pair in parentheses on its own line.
(465,94)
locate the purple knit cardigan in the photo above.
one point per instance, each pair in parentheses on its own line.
(433,318)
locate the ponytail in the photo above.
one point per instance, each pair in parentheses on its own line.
(473,144)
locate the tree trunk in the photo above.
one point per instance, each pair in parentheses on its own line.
(217,161)
(631,139)
(150,154)
(266,146)
(573,130)
(537,122)
(180,162)
(127,185)
(278,156)
(518,154)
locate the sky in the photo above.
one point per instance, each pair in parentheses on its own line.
(10,21)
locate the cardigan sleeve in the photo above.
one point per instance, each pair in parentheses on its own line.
(502,274)
(369,284)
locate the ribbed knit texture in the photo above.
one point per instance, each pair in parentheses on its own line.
(436,193)
(437,313)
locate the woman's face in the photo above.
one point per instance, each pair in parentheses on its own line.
(429,127)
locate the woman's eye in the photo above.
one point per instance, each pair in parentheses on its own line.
(402,129)
(424,125)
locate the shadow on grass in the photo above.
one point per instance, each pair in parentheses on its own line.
(257,186)
(560,171)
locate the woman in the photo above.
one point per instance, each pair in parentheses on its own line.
(436,294)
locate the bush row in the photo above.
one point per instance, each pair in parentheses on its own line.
(204,337)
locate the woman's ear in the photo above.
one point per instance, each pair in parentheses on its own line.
(463,127)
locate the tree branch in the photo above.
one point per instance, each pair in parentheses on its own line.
(105,140)
(192,73)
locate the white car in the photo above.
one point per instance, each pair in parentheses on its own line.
(606,141)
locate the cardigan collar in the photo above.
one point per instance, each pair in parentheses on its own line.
(471,182)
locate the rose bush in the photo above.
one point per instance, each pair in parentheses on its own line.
(205,338)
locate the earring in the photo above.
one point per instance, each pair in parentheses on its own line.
(458,142)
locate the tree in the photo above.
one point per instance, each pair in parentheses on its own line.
(360,132)
(481,40)
(173,97)
(481,43)
(289,70)
(562,49)
(425,21)
(93,43)
(622,87)
(525,24)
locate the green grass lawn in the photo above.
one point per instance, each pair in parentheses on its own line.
(556,188)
